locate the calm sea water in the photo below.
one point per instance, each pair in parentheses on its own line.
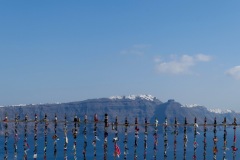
(140,148)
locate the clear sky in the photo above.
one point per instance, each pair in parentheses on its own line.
(61,51)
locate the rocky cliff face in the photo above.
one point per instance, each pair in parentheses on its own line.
(122,107)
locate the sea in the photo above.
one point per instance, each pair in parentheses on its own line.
(131,140)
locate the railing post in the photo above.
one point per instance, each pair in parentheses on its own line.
(16,136)
(224,138)
(215,139)
(195,144)
(185,139)
(105,146)
(26,146)
(115,139)
(35,137)
(234,148)
(95,136)
(205,139)
(45,136)
(145,139)
(136,139)
(65,137)
(6,137)
(155,139)
(175,137)
(76,121)
(126,139)
(165,138)
(55,137)
(85,137)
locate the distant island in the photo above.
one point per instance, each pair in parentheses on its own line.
(132,106)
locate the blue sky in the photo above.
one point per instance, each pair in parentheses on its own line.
(61,51)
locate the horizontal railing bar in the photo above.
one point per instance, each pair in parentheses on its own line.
(119,124)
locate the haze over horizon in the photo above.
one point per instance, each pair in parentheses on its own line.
(61,51)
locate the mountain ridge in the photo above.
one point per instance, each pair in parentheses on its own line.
(129,106)
(130,97)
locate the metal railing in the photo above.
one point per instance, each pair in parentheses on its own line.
(11,130)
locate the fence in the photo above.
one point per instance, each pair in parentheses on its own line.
(106,128)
